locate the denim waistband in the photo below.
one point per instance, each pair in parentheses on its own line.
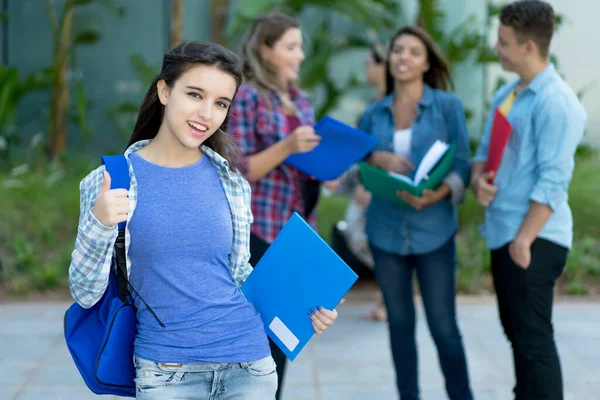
(200,366)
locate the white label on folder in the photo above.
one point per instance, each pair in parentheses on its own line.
(284,334)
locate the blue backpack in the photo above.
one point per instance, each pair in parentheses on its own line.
(100,339)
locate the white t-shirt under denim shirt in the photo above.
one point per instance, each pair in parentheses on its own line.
(402,138)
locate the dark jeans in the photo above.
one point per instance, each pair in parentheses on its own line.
(525,298)
(258,247)
(436,273)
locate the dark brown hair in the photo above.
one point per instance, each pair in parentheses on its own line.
(531,20)
(176,62)
(377,52)
(438,75)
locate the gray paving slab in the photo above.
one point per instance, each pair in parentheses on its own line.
(358,373)
(56,374)
(59,393)
(15,372)
(302,373)
(344,356)
(351,361)
(25,347)
(357,392)
(295,392)
(8,391)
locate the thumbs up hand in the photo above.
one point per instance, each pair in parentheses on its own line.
(112,206)
(106,184)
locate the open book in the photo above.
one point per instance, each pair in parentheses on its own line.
(431,172)
(430,160)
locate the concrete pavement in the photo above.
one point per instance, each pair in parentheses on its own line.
(351,361)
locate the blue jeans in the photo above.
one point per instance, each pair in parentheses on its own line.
(436,273)
(255,380)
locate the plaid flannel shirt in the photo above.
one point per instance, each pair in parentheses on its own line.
(258,122)
(91,259)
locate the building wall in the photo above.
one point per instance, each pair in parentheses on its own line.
(109,79)
(469,77)
(3,27)
(104,66)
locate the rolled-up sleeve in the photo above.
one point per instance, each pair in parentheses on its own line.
(457,125)
(457,187)
(242,126)
(92,255)
(559,128)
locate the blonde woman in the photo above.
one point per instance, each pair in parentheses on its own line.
(272,119)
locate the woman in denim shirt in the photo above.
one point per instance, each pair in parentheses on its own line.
(415,113)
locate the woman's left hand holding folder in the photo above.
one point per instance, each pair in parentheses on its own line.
(428,197)
(323,319)
(418,203)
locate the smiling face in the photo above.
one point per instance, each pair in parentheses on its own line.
(286,55)
(197,104)
(408,59)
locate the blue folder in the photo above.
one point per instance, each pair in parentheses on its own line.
(298,272)
(341,146)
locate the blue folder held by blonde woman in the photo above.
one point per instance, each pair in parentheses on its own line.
(340,147)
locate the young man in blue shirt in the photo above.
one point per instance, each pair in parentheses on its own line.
(528,223)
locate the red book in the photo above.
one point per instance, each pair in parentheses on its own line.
(501,130)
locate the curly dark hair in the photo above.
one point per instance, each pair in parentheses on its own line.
(531,20)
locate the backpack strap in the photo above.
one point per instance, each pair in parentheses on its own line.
(118,169)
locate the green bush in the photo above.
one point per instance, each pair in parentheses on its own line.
(473,261)
(40,210)
(582,271)
(331,210)
(584,196)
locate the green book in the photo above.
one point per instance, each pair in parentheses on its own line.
(430,174)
